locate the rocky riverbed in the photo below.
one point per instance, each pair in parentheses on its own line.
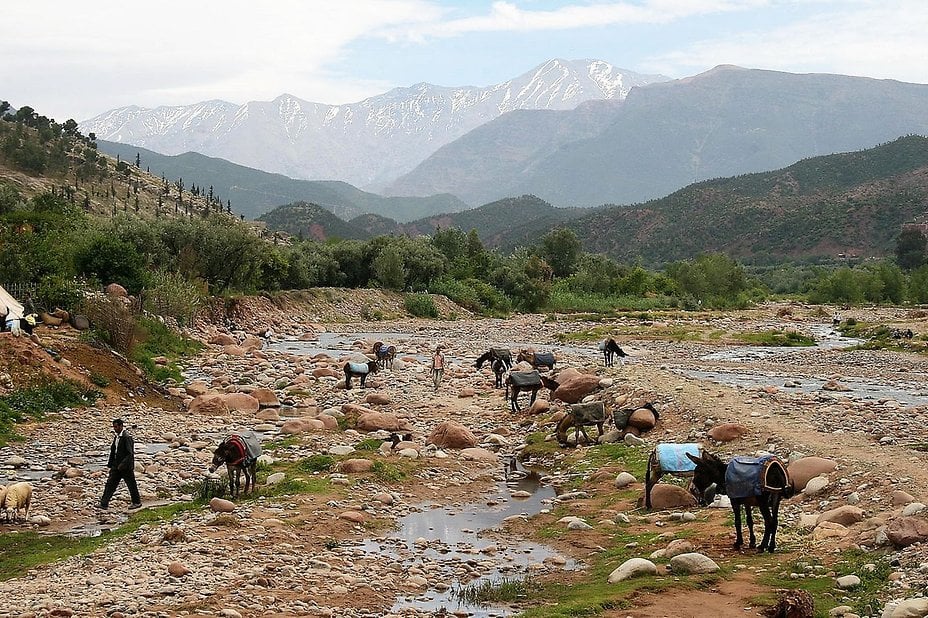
(341,540)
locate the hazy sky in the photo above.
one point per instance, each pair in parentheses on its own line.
(78,58)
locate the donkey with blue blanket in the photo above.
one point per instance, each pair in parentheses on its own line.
(747,481)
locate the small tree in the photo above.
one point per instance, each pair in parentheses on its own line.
(388,269)
(561,250)
(910,248)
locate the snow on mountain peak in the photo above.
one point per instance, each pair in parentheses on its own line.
(371,141)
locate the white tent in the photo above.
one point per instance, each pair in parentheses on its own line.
(14,308)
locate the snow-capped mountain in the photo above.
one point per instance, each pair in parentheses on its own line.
(368,143)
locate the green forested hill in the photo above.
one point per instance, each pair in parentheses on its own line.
(254,192)
(310,221)
(504,223)
(850,203)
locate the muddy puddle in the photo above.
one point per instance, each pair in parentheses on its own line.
(453,545)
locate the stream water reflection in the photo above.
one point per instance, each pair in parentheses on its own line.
(455,545)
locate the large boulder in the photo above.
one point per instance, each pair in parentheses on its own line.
(642,419)
(905,531)
(693,562)
(210,404)
(667,496)
(381,399)
(381,421)
(114,289)
(576,388)
(266,397)
(846,515)
(633,567)
(356,466)
(295,426)
(451,434)
(803,470)
(222,339)
(241,402)
(909,608)
(726,432)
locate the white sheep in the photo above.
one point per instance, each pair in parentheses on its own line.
(2,498)
(18,497)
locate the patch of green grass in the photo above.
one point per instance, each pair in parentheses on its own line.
(498,591)
(866,599)
(282,442)
(593,594)
(632,459)
(776,338)
(39,400)
(159,340)
(368,444)
(98,379)
(388,472)
(316,463)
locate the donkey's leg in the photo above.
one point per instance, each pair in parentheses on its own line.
(347,381)
(585,436)
(764,509)
(736,507)
(231,474)
(770,509)
(650,477)
(750,517)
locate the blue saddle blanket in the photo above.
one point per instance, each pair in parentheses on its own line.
(544,358)
(744,476)
(672,457)
(358,368)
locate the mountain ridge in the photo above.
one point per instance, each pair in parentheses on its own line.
(366,143)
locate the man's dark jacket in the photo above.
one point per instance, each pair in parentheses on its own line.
(122,453)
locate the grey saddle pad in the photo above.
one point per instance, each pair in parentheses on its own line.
(593,412)
(525,378)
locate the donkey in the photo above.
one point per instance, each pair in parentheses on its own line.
(537,359)
(385,354)
(495,354)
(240,459)
(666,458)
(499,363)
(358,370)
(610,350)
(581,414)
(762,482)
(522,381)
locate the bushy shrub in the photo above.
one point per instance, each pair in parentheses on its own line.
(170,295)
(474,295)
(421,306)
(59,291)
(114,319)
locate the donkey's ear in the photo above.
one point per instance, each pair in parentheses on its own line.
(695,460)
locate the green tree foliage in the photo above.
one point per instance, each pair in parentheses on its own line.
(560,248)
(711,280)
(109,259)
(910,248)
(388,269)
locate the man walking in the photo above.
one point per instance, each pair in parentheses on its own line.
(438,366)
(122,466)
